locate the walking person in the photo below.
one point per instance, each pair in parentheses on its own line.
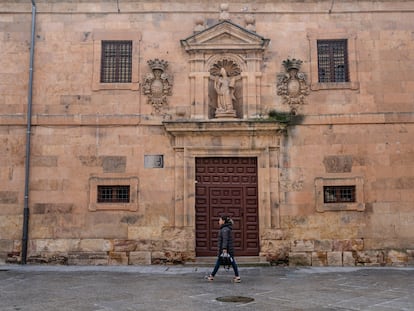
(225,247)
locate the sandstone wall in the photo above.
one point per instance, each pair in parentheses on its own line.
(79,132)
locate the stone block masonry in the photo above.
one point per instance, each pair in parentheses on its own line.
(94,199)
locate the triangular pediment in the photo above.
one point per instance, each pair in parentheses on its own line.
(225,36)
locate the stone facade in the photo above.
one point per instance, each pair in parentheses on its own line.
(85,133)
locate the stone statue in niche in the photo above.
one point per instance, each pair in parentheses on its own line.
(224,87)
(157,84)
(292,85)
(224,74)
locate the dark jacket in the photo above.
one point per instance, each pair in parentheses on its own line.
(225,239)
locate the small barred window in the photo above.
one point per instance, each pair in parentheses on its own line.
(113,194)
(332,61)
(116,62)
(339,194)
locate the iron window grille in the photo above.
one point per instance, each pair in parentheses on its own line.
(333,61)
(116,62)
(339,194)
(113,194)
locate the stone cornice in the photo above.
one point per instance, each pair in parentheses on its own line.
(221,128)
(359,118)
(100,119)
(196,7)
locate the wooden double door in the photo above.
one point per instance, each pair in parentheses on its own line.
(227,186)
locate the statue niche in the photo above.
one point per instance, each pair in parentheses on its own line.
(225,90)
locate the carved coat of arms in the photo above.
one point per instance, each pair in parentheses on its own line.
(292,85)
(157,85)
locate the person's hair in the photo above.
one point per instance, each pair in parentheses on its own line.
(227,219)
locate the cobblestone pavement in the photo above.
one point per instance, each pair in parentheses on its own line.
(179,288)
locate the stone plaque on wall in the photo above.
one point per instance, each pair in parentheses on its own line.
(154,161)
(338,164)
(114,164)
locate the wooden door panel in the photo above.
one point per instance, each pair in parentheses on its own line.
(227,186)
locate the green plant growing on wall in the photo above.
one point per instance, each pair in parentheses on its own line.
(282,117)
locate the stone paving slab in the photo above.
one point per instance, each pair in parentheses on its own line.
(104,288)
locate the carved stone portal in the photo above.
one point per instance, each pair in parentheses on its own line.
(209,49)
(157,85)
(224,75)
(292,85)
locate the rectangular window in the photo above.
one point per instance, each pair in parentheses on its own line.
(113,194)
(339,194)
(332,61)
(116,62)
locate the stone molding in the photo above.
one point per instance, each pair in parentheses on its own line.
(225,35)
(133,119)
(194,7)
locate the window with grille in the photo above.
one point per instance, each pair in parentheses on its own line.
(332,61)
(113,194)
(116,62)
(339,194)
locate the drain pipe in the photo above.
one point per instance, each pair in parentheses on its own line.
(25,237)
